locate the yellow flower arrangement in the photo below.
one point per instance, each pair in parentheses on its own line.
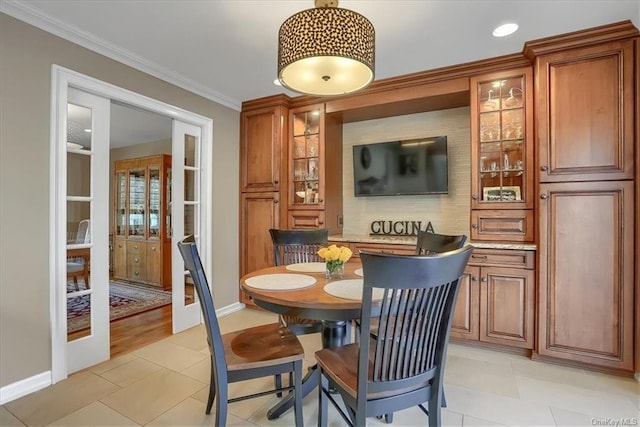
(335,257)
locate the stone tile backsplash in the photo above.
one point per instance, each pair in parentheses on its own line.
(448,213)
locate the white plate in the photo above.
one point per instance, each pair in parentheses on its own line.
(280,282)
(307,267)
(350,289)
(358,272)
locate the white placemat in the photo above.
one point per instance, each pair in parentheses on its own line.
(350,289)
(308,267)
(280,282)
(358,272)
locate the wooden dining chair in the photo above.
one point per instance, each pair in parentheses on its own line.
(250,353)
(404,366)
(433,243)
(297,246)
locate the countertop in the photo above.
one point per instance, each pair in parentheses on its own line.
(411,240)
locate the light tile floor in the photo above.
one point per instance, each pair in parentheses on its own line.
(166,384)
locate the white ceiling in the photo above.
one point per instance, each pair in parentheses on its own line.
(226,50)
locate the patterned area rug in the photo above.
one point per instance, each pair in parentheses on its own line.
(124,300)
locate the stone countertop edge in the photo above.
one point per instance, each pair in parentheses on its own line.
(408,240)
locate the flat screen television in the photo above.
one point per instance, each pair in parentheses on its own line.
(414,166)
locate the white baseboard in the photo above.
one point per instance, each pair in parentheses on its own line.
(23,387)
(224,311)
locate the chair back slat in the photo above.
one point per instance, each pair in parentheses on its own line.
(414,316)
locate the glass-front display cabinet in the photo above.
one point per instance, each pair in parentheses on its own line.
(142,221)
(501,111)
(305,154)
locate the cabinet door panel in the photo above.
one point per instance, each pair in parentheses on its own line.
(120,258)
(260,148)
(259,213)
(585,113)
(154,263)
(586,272)
(306,219)
(465,315)
(506,307)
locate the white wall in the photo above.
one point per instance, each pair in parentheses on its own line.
(448,213)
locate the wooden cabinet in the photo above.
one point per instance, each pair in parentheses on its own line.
(356,247)
(584,102)
(587,133)
(502,156)
(314,185)
(587,273)
(263,155)
(496,299)
(261,143)
(142,240)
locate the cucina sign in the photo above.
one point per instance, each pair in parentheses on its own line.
(398,228)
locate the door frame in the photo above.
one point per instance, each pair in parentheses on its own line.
(61,79)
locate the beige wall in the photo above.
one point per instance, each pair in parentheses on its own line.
(26,56)
(448,213)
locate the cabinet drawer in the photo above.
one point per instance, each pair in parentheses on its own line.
(384,248)
(503,258)
(509,225)
(136,267)
(305,219)
(136,247)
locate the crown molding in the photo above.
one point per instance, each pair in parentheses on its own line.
(32,16)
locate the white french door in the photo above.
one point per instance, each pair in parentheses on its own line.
(87,206)
(187,215)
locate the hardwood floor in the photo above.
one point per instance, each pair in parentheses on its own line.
(131,333)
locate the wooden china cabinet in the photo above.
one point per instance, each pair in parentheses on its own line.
(142,220)
(496,303)
(314,185)
(502,156)
(584,100)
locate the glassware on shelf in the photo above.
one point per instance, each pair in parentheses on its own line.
(513,101)
(490,104)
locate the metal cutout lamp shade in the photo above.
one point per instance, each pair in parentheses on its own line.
(326,51)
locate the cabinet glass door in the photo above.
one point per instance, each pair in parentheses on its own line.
(136,202)
(306,157)
(155,192)
(501,139)
(121,201)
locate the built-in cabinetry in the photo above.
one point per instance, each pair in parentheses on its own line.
(263,136)
(584,101)
(496,301)
(142,220)
(502,156)
(314,186)
(554,170)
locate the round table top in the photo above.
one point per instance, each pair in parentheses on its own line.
(310,301)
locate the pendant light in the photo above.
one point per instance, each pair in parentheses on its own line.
(326,50)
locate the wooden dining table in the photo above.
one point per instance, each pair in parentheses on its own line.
(310,302)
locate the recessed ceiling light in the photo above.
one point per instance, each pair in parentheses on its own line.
(505,29)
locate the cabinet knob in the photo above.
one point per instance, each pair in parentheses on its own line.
(544,168)
(474,279)
(120,245)
(136,260)
(474,197)
(321,222)
(276,182)
(474,226)
(135,246)
(320,200)
(275,201)
(484,280)
(137,273)
(544,196)
(153,248)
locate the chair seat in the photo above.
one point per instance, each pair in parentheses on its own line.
(261,346)
(75,267)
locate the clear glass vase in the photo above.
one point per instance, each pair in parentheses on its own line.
(334,269)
